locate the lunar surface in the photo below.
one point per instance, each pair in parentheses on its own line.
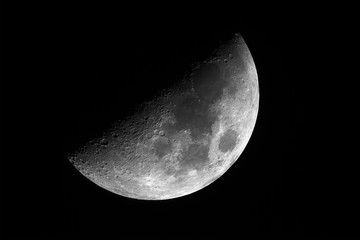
(186,137)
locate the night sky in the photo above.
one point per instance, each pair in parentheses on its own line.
(93,65)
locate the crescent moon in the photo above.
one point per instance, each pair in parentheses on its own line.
(185,138)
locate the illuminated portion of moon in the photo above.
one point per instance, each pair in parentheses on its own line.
(185,138)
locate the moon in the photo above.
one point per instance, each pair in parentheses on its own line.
(186,137)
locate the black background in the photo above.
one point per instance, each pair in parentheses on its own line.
(90,66)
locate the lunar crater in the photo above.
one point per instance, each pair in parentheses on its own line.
(228,140)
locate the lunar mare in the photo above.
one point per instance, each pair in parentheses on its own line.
(185,138)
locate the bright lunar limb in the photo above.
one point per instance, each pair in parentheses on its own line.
(184,139)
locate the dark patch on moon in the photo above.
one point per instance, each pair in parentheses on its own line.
(192,114)
(208,83)
(196,155)
(162,147)
(192,111)
(228,141)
